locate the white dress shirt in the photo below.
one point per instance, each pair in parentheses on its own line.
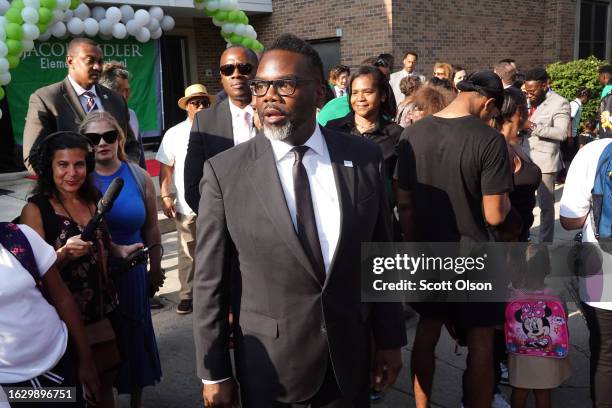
(323,190)
(242,126)
(82,98)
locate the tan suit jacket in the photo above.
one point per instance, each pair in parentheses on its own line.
(552,119)
(57,107)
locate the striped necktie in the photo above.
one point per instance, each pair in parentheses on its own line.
(90,105)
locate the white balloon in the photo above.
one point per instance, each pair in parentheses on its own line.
(199,6)
(58,15)
(106,27)
(27,45)
(29,15)
(228,27)
(223,4)
(3,49)
(91,27)
(234,4)
(82,11)
(157,34)
(58,29)
(98,13)
(63,4)
(212,5)
(0,113)
(142,17)
(30,31)
(113,14)
(132,27)
(127,13)
(44,36)
(143,35)
(153,25)
(4,6)
(241,29)
(119,31)
(32,3)
(5,78)
(68,14)
(4,65)
(75,26)
(167,23)
(3,22)
(156,12)
(215,22)
(251,33)
(2,34)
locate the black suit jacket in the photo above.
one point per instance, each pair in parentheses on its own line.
(57,107)
(211,134)
(290,326)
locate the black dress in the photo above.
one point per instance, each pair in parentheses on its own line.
(522,198)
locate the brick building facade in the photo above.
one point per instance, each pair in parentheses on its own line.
(473,34)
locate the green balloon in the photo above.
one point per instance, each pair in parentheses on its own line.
(18,4)
(42,27)
(243,17)
(221,15)
(45,15)
(13,61)
(13,15)
(258,46)
(209,13)
(1,93)
(233,16)
(50,4)
(74,4)
(14,47)
(235,39)
(14,31)
(247,42)
(225,35)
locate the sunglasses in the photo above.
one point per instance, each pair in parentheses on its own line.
(199,102)
(109,137)
(243,69)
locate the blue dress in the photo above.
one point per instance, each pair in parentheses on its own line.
(125,220)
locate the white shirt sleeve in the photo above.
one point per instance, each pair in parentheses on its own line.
(208,382)
(43,253)
(576,199)
(574,108)
(166,154)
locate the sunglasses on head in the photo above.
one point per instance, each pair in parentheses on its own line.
(243,69)
(109,137)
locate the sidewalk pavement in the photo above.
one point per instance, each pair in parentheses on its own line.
(180,388)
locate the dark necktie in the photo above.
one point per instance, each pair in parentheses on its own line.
(90,105)
(306,222)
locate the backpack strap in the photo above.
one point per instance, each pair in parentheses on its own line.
(49,218)
(599,191)
(139,175)
(15,241)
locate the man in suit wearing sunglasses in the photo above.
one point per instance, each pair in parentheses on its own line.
(225,124)
(64,105)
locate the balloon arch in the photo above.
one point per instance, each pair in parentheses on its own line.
(23,21)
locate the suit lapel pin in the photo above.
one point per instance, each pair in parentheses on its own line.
(348,163)
(105,96)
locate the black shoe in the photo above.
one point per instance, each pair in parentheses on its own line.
(155,303)
(185,306)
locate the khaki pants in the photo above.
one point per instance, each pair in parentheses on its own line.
(185,232)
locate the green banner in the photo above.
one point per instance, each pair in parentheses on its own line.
(46,64)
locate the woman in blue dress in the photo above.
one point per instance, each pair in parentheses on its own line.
(133,218)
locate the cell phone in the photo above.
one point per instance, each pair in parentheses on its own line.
(140,256)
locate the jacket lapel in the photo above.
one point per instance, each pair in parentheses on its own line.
(73,100)
(264,178)
(225,121)
(344,174)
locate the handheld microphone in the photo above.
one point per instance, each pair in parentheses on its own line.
(104,205)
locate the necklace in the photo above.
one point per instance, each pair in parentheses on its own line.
(70,215)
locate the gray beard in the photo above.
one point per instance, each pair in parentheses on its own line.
(278,132)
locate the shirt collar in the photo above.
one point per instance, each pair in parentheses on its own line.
(236,111)
(316,143)
(79,89)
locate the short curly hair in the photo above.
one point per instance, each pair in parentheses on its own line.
(408,85)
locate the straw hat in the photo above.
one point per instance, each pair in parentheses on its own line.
(193,91)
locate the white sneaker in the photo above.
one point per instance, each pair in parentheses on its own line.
(499,401)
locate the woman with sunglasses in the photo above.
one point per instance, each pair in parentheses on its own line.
(132,219)
(63,203)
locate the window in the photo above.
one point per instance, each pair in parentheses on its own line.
(593,29)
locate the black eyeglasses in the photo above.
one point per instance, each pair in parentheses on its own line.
(381,63)
(284,86)
(109,137)
(243,69)
(199,102)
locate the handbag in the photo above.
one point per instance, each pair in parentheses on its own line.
(101,334)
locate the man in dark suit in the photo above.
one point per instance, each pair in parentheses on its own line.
(64,105)
(294,203)
(226,124)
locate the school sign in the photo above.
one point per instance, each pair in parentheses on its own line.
(46,64)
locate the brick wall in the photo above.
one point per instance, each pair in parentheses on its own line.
(472,33)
